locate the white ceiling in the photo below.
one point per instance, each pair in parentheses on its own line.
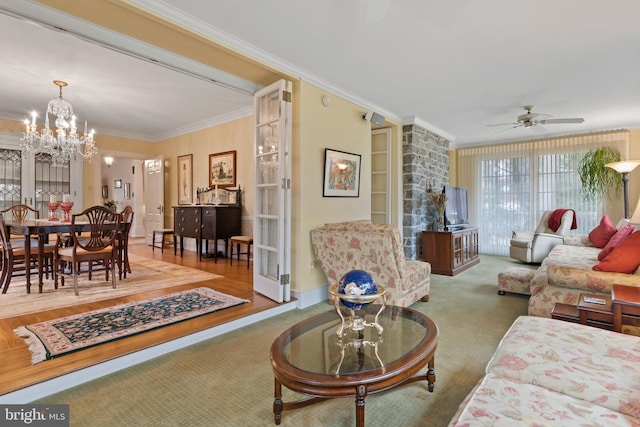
(456,65)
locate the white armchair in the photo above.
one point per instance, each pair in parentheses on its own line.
(533,247)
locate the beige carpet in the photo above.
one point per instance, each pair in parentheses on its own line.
(147,274)
(227,381)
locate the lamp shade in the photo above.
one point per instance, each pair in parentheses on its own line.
(623,166)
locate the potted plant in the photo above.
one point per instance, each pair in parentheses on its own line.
(596,178)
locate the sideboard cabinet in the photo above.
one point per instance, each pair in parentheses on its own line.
(450,252)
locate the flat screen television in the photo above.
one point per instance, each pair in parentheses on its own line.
(456,210)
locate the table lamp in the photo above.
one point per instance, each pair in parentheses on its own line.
(624,167)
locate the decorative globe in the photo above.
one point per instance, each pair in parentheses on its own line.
(356,283)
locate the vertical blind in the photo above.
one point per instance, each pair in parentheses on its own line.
(511,185)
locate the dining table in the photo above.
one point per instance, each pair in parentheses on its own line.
(42,228)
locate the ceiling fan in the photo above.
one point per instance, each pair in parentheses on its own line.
(530,119)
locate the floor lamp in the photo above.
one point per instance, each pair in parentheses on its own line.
(624,168)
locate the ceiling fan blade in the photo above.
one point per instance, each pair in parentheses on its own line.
(504,124)
(538,128)
(574,120)
(504,130)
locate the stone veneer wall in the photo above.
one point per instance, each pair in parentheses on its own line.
(425,159)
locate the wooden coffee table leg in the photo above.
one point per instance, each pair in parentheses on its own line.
(277,402)
(431,374)
(361,393)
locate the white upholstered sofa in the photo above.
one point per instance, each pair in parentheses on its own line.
(376,249)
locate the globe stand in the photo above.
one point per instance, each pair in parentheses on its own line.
(355,321)
(359,345)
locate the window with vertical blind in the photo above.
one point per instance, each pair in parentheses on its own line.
(511,185)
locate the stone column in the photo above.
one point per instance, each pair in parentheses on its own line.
(425,156)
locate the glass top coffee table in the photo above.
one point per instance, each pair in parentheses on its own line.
(310,358)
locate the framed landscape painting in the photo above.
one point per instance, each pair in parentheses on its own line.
(222,169)
(185,179)
(341,174)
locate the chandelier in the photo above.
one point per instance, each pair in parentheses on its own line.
(67,142)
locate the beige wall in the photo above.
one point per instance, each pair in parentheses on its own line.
(235,135)
(317,127)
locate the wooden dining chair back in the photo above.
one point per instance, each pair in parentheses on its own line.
(21,212)
(123,240)
(14,261)
(94,232)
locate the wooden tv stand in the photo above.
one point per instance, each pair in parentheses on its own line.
(450,252)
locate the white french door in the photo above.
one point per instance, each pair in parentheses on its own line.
(272,219)
(153,197)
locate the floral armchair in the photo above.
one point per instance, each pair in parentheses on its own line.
(377,249)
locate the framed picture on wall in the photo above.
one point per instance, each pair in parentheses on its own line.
(185,179)
(105,191)
(117,183)
(341,174)
(222,169)
(127,190)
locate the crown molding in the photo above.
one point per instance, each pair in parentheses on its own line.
(413,120)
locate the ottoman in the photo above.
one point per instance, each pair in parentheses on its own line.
(515,280)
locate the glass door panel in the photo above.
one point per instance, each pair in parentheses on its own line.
(49,181)
(10,178)
(271,233)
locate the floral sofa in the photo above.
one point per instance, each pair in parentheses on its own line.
(548,372)
(377,249)
(567,272)
(564,275)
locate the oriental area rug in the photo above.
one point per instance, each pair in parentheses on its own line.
(56,337)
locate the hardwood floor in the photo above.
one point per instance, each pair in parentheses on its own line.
(17,371)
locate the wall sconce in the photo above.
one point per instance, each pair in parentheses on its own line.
(108,160)
(624,168)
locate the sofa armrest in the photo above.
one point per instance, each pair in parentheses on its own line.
(522,235)
(588,279)
(576,240)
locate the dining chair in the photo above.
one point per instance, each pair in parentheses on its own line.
(122,242)
(20,213)
(97,244)
(13,257)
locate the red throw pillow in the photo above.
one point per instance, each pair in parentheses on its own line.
(625,258)
(600,235)
(615,241)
